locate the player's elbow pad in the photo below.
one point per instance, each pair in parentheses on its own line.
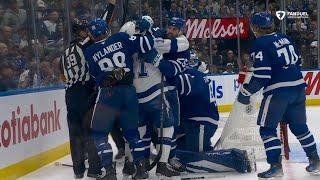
(179,45)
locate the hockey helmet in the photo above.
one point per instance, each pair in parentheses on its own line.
(263,20)
(98,27)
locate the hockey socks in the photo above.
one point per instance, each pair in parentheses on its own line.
(272,144)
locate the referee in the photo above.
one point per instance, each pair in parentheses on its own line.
(80,98)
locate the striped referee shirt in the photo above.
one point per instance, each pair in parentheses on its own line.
(73,63)
(75,67)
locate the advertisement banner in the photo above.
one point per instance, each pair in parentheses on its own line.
(30,124)
(225,28)
(312,79)
(226,87)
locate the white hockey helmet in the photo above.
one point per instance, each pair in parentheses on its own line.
(149,19)
(129,28)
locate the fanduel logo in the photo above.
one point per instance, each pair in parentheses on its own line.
(280,14)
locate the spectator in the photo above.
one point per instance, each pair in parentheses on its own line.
(214,70)
(49,27)
(23,38)
(173,12)
(29,77)
(41,9)
(215,8)
(7,36)
(224,9)
(216,56)
(6,77)
(46,74)
(230,59)
(229,69)
(56,71)
(2,11)
(3,51)
(14,17)
(246,63)
(202,12)
(190,11)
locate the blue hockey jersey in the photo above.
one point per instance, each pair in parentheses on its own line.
(277,65)
(197,99)
(115,52)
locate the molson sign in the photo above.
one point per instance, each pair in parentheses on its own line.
(312,79)
(225,28)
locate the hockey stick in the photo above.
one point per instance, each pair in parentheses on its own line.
(191,176)
(156,160)
(62,164)
(284,138)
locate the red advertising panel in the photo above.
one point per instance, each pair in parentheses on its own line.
(225,28)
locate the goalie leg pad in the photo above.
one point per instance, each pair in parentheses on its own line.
(272,144)
(215,161)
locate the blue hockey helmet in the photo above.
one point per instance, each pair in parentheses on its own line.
(177,22)
(98,27)
(263,20)
(142,25)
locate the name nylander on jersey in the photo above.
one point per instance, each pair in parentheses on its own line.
(277,64)
(115,52)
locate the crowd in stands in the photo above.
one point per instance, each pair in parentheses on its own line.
(32,37)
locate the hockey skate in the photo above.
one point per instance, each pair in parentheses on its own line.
(165,171)
(128,169)
(78,176)
(110,174)
(314,164)
(141,172)
(94,175)
(274,172)
(176,165)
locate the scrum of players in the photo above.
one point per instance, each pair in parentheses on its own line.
(151,82)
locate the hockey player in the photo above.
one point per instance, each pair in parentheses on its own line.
(277,65)
(110,62)
(195,63)
(148,83)
(80,89)
(199,121)
(178,57)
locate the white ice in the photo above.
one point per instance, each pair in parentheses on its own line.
(294,169)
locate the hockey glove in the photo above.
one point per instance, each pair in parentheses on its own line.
(244,96)
(113,77)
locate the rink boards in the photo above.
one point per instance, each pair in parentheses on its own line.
(33,126)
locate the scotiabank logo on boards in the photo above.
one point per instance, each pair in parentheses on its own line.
(22,128)
(313,83)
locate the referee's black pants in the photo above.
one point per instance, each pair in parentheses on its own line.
(79,101)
